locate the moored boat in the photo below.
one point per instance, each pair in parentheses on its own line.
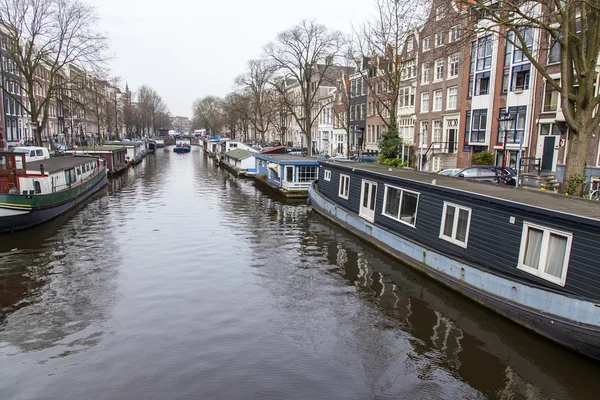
(32,193)
(529,256)
(182,148)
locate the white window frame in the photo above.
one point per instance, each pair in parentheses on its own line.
(423,102)
(448,95)
(340,193)
(327,175)
(453,239)
(427,43)
(435,107)
(450,62)
(385,192)
(544,253)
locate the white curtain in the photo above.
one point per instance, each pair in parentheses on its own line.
(534,247)
(557,248)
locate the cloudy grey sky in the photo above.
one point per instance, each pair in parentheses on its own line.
(187,49)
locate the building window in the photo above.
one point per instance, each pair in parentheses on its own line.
(426,72)
(307,174)
(427,43)
(439,39)
(482,83)
(406,129)
(344,189)
(423,139)
(520,115)
(425,102)
(327,175)
(437,100)
(452,99)
(518,55)
(401,205)
(454,34)
(406,97)
(482,53)
(505,80)
(456,221)
(364,86)
(439,69)
(545,253)
(551,96)
(453,66)
(437,131)
(409,44)
(520,77)
(554,53)
(475,126)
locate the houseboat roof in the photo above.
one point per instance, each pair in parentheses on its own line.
(239,154)
(126,144)
(57,164)
(97,149)
(288,159)
(526,198)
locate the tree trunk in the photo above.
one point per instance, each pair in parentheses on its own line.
(576,161)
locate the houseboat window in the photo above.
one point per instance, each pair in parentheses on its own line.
(78,171)
(327,175)
(289,173)
(545,252)
(307,174)
(37,187)
(401,205)
(344,186)
(456,221)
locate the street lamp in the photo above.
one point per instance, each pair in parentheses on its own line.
(423,135)
(505,123)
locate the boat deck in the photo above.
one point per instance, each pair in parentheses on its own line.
(534,198)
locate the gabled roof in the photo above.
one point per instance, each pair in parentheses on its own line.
(238,154)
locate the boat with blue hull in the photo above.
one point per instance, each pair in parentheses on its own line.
(529,256)
(35,192)
(182,148)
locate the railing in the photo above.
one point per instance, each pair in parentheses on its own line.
(530,164)
(295,186)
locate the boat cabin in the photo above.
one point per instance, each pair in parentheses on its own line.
(290,174)
(115,156)
(545,239)
(135,150)
(45,176)
(241,161)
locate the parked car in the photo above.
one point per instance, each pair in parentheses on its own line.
(489,174)
(449,172)
(33,153)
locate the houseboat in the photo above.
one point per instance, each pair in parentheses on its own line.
(34,192)
(136,151)
(211,146)
(290,175)
(114,156)
(159,143)
(240,162)
(530,256)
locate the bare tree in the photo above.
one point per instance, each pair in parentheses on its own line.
(257,85)
(571,29)
(41,38)
(306,53)
(380,40)
(150,105)
(237,114)
(208,114)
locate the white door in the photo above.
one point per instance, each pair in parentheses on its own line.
(368,198)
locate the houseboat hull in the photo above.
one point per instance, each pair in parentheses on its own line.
(567,320)
(19,212)
(182,149)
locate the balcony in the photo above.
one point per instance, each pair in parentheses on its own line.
(295,186)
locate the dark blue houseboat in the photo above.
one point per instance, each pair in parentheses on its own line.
(530,256)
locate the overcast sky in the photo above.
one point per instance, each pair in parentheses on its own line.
(187,49)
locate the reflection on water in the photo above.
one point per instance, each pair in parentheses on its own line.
(182,281)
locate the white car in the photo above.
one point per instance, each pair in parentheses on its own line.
(32,153)
(449,172)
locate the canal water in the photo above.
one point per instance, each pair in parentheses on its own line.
(180,281)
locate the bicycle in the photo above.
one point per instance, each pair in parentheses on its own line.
(591,190)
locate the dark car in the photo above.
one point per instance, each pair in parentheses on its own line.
(486,173)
